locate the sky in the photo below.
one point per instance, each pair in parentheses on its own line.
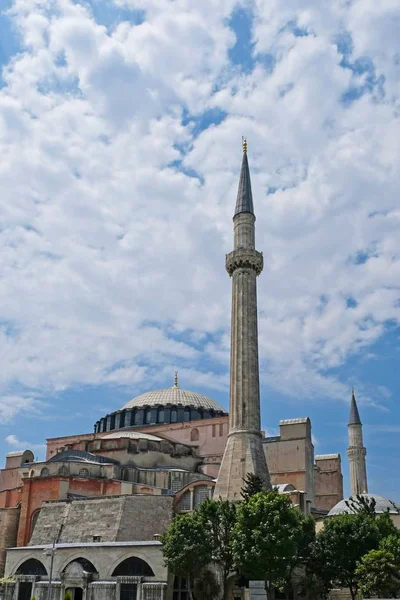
(120,148)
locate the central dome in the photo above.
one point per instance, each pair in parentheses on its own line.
(176,397)
(161,407)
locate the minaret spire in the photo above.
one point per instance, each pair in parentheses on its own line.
(244,451)
(244,200)
(356,451)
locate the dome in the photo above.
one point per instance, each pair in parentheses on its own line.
(174,396)
(161,407)
(382,505)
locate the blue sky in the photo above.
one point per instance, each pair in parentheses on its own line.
(120,137)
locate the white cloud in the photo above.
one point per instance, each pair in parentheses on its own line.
(112,254)
(12,440)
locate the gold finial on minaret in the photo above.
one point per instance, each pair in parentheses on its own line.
(244,143)
(176,380)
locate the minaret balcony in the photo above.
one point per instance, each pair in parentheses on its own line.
(244,259)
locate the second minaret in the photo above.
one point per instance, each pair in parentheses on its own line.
(356,451)
(244,451)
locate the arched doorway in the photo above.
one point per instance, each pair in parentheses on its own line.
(76,593)
(32,566)
(131,567)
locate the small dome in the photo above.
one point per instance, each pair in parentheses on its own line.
(382,505)
(177,397)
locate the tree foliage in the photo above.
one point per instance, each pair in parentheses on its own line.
(268,535)
(341,544)
(187,547)
(253,484)
(360,503)
(219,518)
(378,574)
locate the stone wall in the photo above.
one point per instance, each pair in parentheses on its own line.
(105,557)
(112,519)
(290,456)
(328,481)
(9,518)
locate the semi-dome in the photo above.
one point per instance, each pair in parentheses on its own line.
(382,505)
(174,396)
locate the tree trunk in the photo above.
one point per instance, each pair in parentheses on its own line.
(189,587)
(353,593)
(270,591)
(225,587)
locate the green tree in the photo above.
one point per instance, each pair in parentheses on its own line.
(360,503)
(266,538)
(304,536)
(206,586)
(341,544)
(378,574)
(253,484)
(391,544)
(219,519)
(187,547)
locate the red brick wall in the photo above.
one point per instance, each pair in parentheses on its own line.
(37,490)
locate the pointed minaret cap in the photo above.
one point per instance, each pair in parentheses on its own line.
(354,418)
(244,202)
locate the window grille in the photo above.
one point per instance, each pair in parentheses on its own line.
(176,484)
(201,493)
(84,473)
(184,503)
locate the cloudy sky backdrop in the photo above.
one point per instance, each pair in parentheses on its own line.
(120,150)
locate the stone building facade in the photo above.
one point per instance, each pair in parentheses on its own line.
(95,507)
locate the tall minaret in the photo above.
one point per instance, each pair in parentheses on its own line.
(244,451)
(356,451)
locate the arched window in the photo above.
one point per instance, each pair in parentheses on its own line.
(32,473)
(148,416)
(174,415)
(161,415)
(132,567)
(79,566)
(63,470)
(44,472)
(84,473)
(176,484)
(180,589)
(194,435)
(32,566)
(201,492)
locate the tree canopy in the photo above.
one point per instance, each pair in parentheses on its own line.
(268,536)
(342,543)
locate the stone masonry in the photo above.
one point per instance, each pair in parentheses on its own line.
(118,519)
(244,451)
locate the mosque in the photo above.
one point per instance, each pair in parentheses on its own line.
(87,519)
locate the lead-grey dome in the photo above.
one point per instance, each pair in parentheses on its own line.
(382,505)
(174,396)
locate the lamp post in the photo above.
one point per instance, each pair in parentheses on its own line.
(50,551)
